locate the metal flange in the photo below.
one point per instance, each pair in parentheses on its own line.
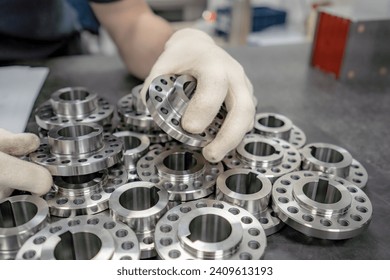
(167,99)
(140,205)
(278,126)
(270,156)
(209,229)
(320,205)
(96,237)
(156,136)
(133,112)
(73,105)
(250,190)
(78,150)
(84,194)
(21,216)
(334,160)
(184,173)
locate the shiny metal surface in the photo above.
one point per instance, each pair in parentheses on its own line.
(73,105)
(167,100)
(132,111)
(321,205)
(21,216)
(84,194)
(250,190)
(96,237)
(184,173)
(334,160)
(135,145)
(156,136)
(278,126)
(209,229)
(140,205)
(270,156)
(78,150)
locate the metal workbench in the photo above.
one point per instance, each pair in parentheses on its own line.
(356,117)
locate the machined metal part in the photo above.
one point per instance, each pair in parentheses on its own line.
(75,150)
(185,174)
(270,156)
(133,112)
(135,146)
(167,99)
(84,194)
(96,237)
(73,105)
(320,205)
(140,205)
(279,126)
(209,229)
(250,190)
(156,136)
(21,216)
(332,159)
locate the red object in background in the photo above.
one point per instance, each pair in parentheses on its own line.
(330,43)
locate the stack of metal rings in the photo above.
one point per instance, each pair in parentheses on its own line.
(161,198)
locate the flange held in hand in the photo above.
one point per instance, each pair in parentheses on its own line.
(78,150)
(167,99)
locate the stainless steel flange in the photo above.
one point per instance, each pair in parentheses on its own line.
(167,99)
(84,194)
(250,190)
(140,205)
(269,156)
(96,237)
(322,206)
(133,112)
(332,159)
(78,150)
(185,174)
(279,126)
(21,216)
(135,145)
(73,105)
(209,229)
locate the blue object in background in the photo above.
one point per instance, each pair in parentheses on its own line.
(86,17)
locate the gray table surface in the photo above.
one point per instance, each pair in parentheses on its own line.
(355,117)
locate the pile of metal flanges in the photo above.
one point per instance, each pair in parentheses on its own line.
(136,193)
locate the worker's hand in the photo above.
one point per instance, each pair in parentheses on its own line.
(16,173)
(219,78)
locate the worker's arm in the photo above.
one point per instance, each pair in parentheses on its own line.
(138,33)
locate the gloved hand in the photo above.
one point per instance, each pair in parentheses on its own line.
(16,173)
(219,78)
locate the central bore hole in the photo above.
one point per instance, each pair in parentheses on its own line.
(326,155)
(209,228)
(16,214)
(74,94)
(244,183)
(180,161)
(322,192)
(75,131)
(130,142)
(271,121)
(138,199)
(261,149)
(77,246)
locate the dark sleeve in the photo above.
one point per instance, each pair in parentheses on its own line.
(103,1)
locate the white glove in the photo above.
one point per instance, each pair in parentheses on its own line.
(16,173)
(219,78)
